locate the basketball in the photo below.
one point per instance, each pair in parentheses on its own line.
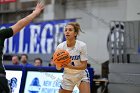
(61,58)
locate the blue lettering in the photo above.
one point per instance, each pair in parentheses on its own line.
(47,83)
(56,84)
(36,38)
(49,90)
(76,57)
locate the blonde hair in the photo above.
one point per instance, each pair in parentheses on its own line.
(76,26)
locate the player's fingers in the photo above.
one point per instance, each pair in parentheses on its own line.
(40,6)
(58,68)
(64,65)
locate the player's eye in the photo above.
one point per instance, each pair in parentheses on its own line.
(69,29)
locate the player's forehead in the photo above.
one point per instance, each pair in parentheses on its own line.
(68,26)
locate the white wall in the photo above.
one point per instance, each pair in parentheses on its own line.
(95,16)
(133,9)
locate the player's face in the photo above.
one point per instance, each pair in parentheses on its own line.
(69,32)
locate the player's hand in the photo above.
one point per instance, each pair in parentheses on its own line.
(64,66)
(69,65)
(39,7)
(58,68)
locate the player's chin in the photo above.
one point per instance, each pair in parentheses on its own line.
(67,37)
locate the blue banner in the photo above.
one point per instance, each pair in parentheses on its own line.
(36,38)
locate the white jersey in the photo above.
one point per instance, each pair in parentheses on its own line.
(77,53)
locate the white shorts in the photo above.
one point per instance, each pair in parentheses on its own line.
(70,80)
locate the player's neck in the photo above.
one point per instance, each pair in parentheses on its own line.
(71,43)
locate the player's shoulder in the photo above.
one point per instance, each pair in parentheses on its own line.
(61,44)
(80,43)
(6,29)
(6,33)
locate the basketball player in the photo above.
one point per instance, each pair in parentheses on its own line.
(6,33)
(75,73)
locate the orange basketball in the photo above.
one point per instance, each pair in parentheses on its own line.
(61,58)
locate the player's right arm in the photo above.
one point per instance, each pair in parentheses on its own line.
(25,21)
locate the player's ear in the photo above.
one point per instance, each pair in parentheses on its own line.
(75,34)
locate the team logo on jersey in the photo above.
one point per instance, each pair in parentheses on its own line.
(76,57)
(34,86)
